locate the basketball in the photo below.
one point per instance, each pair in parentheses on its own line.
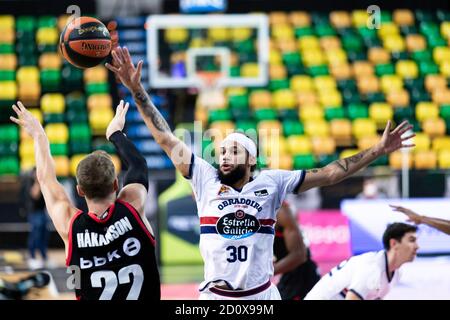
(85,42)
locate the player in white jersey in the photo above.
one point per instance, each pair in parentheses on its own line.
(237,211)
(371,275)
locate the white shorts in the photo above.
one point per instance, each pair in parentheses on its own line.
(271,293)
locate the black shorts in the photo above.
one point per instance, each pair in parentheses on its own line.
(296,284)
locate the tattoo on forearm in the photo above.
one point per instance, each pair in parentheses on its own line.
(343,164)
(314,170)
(151,111)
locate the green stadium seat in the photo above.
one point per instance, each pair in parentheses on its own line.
(8,149)
(80,147)
(25,23)
(356,111)
(6,48)
(428,67)
(71,77)
(47,22)
(54,117)
(261,162)
(278,84)
(7,75)
(306,161)
(245,125)
(320,70)
(403,113)
(334,113)
(75,116)
(292,127)
(94,88)
(9,133)
(9,166)
(241,113)
(286,114)
(238,101)
(58,149)
(219,115)
(50,80)
(265,114)
(76,101)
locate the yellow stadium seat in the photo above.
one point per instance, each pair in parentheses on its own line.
(367,142)
(99,101)
(176,35)
(324,83)
(396,160)
(441,54)
(284,99)
(364,127)
(284,163)
(434,127)
(37,113)
(195,43)
(425,160)
(359,18)
(362,69)
(57,132)
(311,112)
(8,61)
(378,55)
(236,91)
(99,120)
(53,103)
(50,60)
(308,43)
(7,36)
(250,70)
(330,43)
(435,81)
(299,145)
(219,34)
(47,35)
(117,164)
(441,143)
(444,159)
(426,110)
(201,114)
(444,68)
(403,17)
(301,83)
(288,45)
(27,164)
(74,161)
(445,29)
(300,19)
(398,98)
(277,71)
(415,42)
(407,69)
(62,166)
(307,98)
(282,32)
(317,128)
(278,17)
(368,84)
(62,21)
(8,90)
(332,98)
(394,43)
(388,29)
(422,142)
(381,112)
(275,57)
(260,99)
(268,128)
(26,148)
(391,83)
(323,145)
(341,71)
(346,153)
(341,129)
(96,74)
(241,34)
(27,74)
(30,92)
(336,56)
(313,57)
(441,96)
(340,19)
(7,21)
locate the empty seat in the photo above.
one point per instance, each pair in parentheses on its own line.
(311,112)
(426,110)
(323,145)
(317,128)
(422,142)
(367,142)
(53,103)
(341,128)
(99,101)
(434,127)
(50,60)
(396,159)
(47,36)
(97,74)
(284,99)
(57,132)
(407,69)
(444,159)
(398,98)
(391,83)
(301,83)
(381,113)
(441,143)
(425,160)
(299,144)
(364,127)
(260,99)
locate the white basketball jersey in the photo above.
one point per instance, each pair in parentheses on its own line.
(366,275)
(237,227)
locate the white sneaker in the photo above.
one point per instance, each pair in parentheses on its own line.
(50,264)
(35,264)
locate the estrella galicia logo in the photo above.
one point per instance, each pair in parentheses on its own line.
(237,225)
(261,193)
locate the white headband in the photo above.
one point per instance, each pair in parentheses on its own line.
(247,143)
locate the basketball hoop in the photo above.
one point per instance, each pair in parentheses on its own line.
(211,94)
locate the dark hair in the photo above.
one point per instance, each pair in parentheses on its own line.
(396,231)
(253,167)
(96,175)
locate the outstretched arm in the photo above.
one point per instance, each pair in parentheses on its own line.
(58,204)
(130,76)
(293,240)
(343,168)
(440,224)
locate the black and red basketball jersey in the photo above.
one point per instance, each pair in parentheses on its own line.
(114,256)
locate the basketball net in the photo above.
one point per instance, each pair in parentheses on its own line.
(211,94)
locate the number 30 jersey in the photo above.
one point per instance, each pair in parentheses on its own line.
(112,258)
(237,226)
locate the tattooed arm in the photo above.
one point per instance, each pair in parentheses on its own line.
(130,76)
(343,168)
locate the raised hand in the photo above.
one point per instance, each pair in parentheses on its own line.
(123,67)
(393,140)
(118,122)
(412,216)
(26,120)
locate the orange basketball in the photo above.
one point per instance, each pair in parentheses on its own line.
(85,42)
